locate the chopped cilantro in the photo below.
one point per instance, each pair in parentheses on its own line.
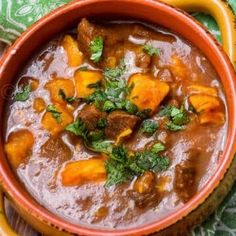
(103,146)
(109,106)
(55,113)
(115,73)
(131,107)
(67,99)
(177,117)
(95,135)
(157,147)
(96,49)
(149,127)
(77,128)
(121,167)
(150,50)
(23,94)
(116,173)
(102,122)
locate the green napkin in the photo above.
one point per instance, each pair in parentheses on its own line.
(17,15)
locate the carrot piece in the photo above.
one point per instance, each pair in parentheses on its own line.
(53,125)
(212,117)
(199,89)
(203,103)
(56,86)
(39,105)
(147,92)
(82,81)
(84,171)
(74,55)
(178,69)
(19,146)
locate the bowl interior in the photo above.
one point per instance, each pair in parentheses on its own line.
(147,11)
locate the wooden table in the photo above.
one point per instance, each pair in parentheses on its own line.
(17,223)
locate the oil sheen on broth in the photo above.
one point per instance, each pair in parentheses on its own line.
(116,124)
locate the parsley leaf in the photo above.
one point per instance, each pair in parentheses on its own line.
(77,128)
(63,96)
(177,117)
(116,173)
(121,167)
(150,50)
(157,147)
(23,94)
(55,113)
(96,49)
(149,127)
(102,122)
(115,73)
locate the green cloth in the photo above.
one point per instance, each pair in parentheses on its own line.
(17,15)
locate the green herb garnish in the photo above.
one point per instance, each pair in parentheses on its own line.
(55,113)
(121,167)
(23,94)
(102,122)
(115,73)
(96,49)
(78,128)
(149,127)
(177,117)
(150,50)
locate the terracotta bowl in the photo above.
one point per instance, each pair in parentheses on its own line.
(208,198)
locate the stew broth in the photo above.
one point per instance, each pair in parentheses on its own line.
(137,92)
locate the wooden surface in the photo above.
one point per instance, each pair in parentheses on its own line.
(17,223)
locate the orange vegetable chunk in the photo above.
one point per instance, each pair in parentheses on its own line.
(19,146)
(54,86)
(39,105)
(212,117)
(199,89)
(74,55)
(178,69)
(204,102)
(85,78)
(52,124)
(84,171)
(147,92)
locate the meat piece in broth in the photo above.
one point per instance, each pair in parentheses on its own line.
(185,183)
(55,149)
(119,122)
(91,115)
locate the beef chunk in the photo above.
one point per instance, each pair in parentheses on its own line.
(119,121)
(143,200)
(91,115)
(185,183)
(54,148)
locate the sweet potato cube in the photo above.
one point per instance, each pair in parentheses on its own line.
(84,171)
(178,69)
(212,117)
(19,146)
(54,86)
(203,103)
(147,92)
(199,89)
(54,125)
(83,80)
(39,105)
(74,55)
